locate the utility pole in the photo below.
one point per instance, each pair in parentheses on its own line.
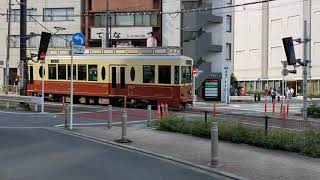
(8,48)
(107,24)
(23,48)
(306,51)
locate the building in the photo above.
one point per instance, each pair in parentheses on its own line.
(258,50)
(130,21)
(206,37)
(59,16)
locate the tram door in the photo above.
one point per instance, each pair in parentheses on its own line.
(117,79)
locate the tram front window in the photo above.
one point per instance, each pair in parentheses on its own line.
(186,74)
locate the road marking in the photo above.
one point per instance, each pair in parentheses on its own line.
(92,124)
(19,127)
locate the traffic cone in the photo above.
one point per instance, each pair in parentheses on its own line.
(63,104)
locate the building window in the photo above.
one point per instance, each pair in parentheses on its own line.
(164,75)
(229,23)
(125,20)
(148,74)
(58,14)
(15,42)
(185,74)
(62,72)
(93,72)
(52,71)
(228,51)
(15,15)
(60,41)
(82,72)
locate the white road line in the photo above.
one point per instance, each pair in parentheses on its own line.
(19,127)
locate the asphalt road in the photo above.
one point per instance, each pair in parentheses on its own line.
(45,154)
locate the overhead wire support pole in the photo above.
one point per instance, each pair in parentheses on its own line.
(23,48)
(8,49)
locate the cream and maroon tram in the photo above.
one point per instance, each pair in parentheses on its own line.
(106,76)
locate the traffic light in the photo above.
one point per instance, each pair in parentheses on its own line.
(44,43)
(289,49)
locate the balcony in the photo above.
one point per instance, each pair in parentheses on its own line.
(200,46)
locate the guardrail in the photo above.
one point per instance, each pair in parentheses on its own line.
(31,100)
(242,98)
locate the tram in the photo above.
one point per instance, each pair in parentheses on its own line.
(135,76)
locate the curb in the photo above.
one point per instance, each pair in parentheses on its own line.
(177,160)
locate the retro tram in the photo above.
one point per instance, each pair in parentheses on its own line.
(105,76)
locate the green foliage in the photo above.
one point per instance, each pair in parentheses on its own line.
(306,142)
(314,110)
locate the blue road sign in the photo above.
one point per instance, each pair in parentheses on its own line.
(78,39)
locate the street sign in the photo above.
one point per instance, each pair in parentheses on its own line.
(195,72)
(78,39)
(285,72)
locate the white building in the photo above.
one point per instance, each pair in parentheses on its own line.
(62,16)
(204,36)
(258,49)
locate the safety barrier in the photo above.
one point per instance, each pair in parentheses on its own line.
(31,100)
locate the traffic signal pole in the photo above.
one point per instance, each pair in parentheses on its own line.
(23,48)
(306,52)
(8,49)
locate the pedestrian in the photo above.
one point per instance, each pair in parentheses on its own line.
(292,92)
(151,40)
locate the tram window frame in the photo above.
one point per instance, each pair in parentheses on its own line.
(114,77)
(122,77)
(61,75)
(82,72)
(164,74)
(103,73)
(74,72)
(40,71)
(186,76)
(132,74)
(176,74)
(92,76)
(31,74)
(151,78)
(52,68)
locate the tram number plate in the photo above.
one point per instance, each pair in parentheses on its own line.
(78,49)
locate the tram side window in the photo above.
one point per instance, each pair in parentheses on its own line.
(74,72)
(164,75)
(93,72)
(176,74)
(62,72)
(31,75)
(148,74)
(82,72)
(52,71)
(186,74)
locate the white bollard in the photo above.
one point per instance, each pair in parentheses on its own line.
(36,107)
(124,125)
(7,105)
(109,116)
(149,116)
(214,144)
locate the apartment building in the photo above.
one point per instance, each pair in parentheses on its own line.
(205,36)
(59,16)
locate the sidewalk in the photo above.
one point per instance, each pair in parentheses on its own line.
(243,160)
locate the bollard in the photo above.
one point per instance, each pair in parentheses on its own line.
(214,111)
(281,107)
(266,125)
(124,125)
(63,104)
(36,107)
(7,105)
(159,112)
(109,116)
(166,114)
(205,116)
(66,109)
(265,104)
(287,108)
(149,116)
(273,105)
(214,144)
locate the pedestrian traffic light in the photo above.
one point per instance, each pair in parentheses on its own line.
(289,49)
(44,43)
